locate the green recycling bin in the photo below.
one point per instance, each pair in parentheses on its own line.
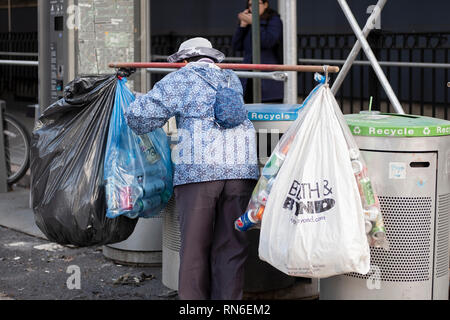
(408,158)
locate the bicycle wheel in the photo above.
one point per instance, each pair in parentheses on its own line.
(17,148)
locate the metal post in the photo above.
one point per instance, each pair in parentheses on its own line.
(375,38)
(71,34)
(256,45)
(3,168)
(288,11)
(374,86)
(146,51)
(9,17)
(44,53)
(357,47)
(370,55)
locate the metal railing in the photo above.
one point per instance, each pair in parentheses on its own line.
(19,54)
(416,65)
(382,63)
(419,75)
(19,75)
(277,76)
(19,63)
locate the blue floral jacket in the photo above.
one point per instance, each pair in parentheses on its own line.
(204,151)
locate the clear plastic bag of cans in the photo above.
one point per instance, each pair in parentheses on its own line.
(138,169)
(252,218)
(375,229)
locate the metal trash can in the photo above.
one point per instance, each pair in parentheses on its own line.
(142,248)
(3,165)
(409,162)
(171,245)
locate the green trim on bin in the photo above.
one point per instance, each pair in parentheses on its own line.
(396,125)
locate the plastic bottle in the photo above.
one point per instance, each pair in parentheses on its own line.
(262,197)
(147,147)
(166,195)
(142,206)
(110,194)
(149,205)
(274,164)
(285,146)
(151,187)
(149,171)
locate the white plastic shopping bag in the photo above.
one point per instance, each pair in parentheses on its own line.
(313,223)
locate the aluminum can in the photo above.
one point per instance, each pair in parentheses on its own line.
(369,196)
(245,222)
(354,154)
(126,198)
(357,167)
(379,232)
(369,226)
(152,187)
(371,213)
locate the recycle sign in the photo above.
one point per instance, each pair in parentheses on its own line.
(426,131)
(357,130)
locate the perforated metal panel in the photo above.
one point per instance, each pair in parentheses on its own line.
(412,180)
(408,229)
(171,227)
(442,234)
(171,245)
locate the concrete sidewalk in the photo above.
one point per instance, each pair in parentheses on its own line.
(33,268)
(16,214)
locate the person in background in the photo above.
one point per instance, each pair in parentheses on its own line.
(271,48)
(215,170)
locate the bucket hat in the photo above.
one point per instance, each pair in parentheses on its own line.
(196,47)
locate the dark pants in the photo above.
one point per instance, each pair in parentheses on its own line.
(212,253)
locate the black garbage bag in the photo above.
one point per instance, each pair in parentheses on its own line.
(67,159)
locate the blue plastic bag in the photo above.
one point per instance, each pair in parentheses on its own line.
(138,169)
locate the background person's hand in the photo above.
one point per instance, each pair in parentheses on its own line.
(245,17)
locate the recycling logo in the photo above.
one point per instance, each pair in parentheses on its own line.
(356,130)
(426,131)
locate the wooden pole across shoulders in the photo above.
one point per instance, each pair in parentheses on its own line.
(233,66)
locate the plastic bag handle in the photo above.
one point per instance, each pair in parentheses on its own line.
(125,72)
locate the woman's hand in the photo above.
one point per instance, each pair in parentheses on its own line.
(245,17)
